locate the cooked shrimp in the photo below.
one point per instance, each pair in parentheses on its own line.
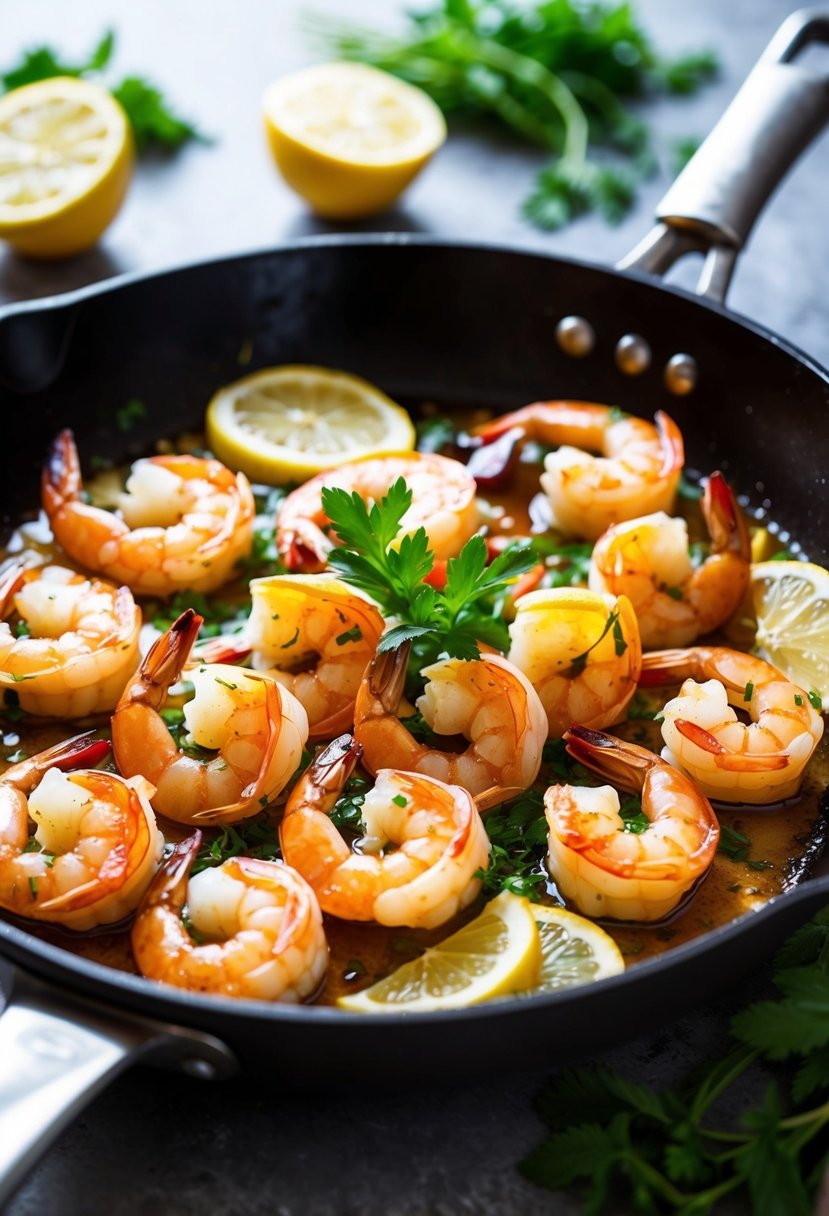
(256,728)
(437,836)
(581,653)
(443,502)
(756,762)
(636,472)
(647,559)
(79,645)
(184,522)
(607,870)
(263,921)
(95,846)
(315,636)
(487,700)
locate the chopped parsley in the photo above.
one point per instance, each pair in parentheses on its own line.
(518,834)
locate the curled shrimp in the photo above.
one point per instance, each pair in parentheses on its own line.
(315,636)
(263,922)
(636,472)
(608,871)
(95,846)
(184,522)
(581,653)
(487,700)
(757,762)
(647,559)
(79,646)
(443,502)
(256,728)
(438,838)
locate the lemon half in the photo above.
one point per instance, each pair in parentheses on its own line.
(791,602)
(349,138)
(289,423)
(497,953)
(66,155)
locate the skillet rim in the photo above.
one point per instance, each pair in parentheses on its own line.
(175,1004)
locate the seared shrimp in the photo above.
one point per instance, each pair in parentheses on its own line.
(757,762)
(79,644)
(263,922)
(647,559)
(636,472)
(95,846)
(315,636)
(184,522)
(581,653)
(257,729)
(437,838)
(443,502)
(487,700)
(606,870)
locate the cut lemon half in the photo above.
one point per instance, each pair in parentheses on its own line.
(66,157)
(497,953)
(573,950)
(289,423)
(349,138)
(791,602)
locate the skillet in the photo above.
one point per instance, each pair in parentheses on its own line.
(460,325)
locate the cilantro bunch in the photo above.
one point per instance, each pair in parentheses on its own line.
(448,622)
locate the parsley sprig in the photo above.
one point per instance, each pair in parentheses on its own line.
(667,1152)
(450,622)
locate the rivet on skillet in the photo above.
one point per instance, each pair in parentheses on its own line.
(681,373)
(575,336)
(633,355)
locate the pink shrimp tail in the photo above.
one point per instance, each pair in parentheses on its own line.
(166,658)
(61,480)
(734,762)
(169,887)
(671,443)
(666,667)
(618,761)
(10,583)
(724,519)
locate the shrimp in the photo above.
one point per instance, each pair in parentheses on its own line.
(264,924)
(581,653)
(257,728)
(443,502)
(606,870)
(487,700)
(315,636)
(647,559)
(437,836)
(636,472)
(757,762)
(185,521)
(95,846)
(79,646)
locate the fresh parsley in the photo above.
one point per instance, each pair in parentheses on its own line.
(256,837)
(518,834)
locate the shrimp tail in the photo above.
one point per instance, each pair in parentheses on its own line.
(219,650)
(331,768)
(10,583)
(81,751)
(734,762)
(671,443)
(61,481)
(166,659)
(666,667)
(623,763)
(387,676)
(495,795)
(724,520)
(168,888)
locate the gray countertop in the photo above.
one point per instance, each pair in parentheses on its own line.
(154,1142)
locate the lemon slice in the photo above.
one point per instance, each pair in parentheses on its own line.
(791,602)
(289,423)
(349,138)
(497,953)
(573,950)
(66,157)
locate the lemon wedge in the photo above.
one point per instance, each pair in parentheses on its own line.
(349,138)
(791,603)
(573,950)
(66,156)
(289,423)
(497,953)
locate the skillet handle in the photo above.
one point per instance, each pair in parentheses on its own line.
(57,1053)
(712,206)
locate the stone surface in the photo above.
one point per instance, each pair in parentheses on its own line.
(156,1143)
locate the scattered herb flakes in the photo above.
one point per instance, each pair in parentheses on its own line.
(354,969)
(815,700)
(435,434)
(634,818)
(354,634)
(255,837)
(691,491)
(129,414)
(580,661)
(518,834)
(639,709)
(348,810)
(735,845)
(748,693)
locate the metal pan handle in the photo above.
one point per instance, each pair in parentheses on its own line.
(56,1054)
(712,205)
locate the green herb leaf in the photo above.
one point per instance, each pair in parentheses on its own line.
(152,120)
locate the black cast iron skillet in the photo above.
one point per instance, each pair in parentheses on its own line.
(459,325)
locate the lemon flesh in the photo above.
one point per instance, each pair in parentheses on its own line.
(349,138)
(289,423)
(496,954)
(66,156)
(791,602)
(574,951)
